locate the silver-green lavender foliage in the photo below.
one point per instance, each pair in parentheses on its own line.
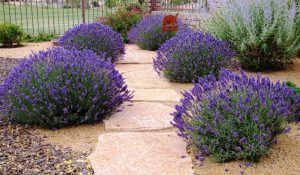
(264,33)
(58,87)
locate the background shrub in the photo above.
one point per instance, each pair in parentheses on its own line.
(57,87)
(238,117)
(264,33)
(148,34)
(96,37)
(111,3)
(41,37)
(191,54)
(122,20)
(10,34)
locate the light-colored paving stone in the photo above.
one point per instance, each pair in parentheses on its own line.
(142,76)
(25,50)
(141,116)
(141,153)
(181,87)
(156,95)
(134,55)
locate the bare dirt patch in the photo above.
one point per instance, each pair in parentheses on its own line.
(291,72)
(81,138)
(25,50)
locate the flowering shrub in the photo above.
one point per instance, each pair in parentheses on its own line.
(297,90)
(148,34)
(191,54)
(96,37)
(57,87)
(238,117)
(122,20)
(264,33)
(10,34)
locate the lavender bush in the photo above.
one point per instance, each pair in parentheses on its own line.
(96,37)
(148,34)
(264,33)
(57,87)
(191,54)
(238,117)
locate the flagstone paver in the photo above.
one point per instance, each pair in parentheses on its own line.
(134,55)
(156,95)
(141,116)
(139,140)
(142,76)
(141,153)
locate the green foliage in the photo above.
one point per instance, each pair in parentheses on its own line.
(110,3)
(294,86)
(265,33)
(122,20)
(41,37)
(297,90)
(10,34)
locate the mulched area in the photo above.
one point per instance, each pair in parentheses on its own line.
(24,152)
(6,65)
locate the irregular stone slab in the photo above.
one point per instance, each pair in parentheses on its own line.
(142,76)
(141,153)
(134,55)
(181,87)
(156,95)
(25,50)
(131,47)
(141,116)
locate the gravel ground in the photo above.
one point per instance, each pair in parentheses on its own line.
(24,152)
(6,65)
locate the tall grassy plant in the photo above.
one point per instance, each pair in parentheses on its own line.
(264,33)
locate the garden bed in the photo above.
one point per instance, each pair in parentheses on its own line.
(31,150)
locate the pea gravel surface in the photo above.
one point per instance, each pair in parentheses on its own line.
(22,152)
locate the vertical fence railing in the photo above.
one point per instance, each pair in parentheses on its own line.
(53,16)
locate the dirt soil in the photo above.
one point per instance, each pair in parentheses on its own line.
(25,50)
(291,72)
(81,138)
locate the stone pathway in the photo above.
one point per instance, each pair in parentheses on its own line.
(140,140)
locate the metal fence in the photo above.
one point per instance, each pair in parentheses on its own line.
(52,16)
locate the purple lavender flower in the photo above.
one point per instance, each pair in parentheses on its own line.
(148,33)
(96,37)
(57,87)
(247,164)
(247,130)
(191,54)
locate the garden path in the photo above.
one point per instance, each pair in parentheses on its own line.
(140,140)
